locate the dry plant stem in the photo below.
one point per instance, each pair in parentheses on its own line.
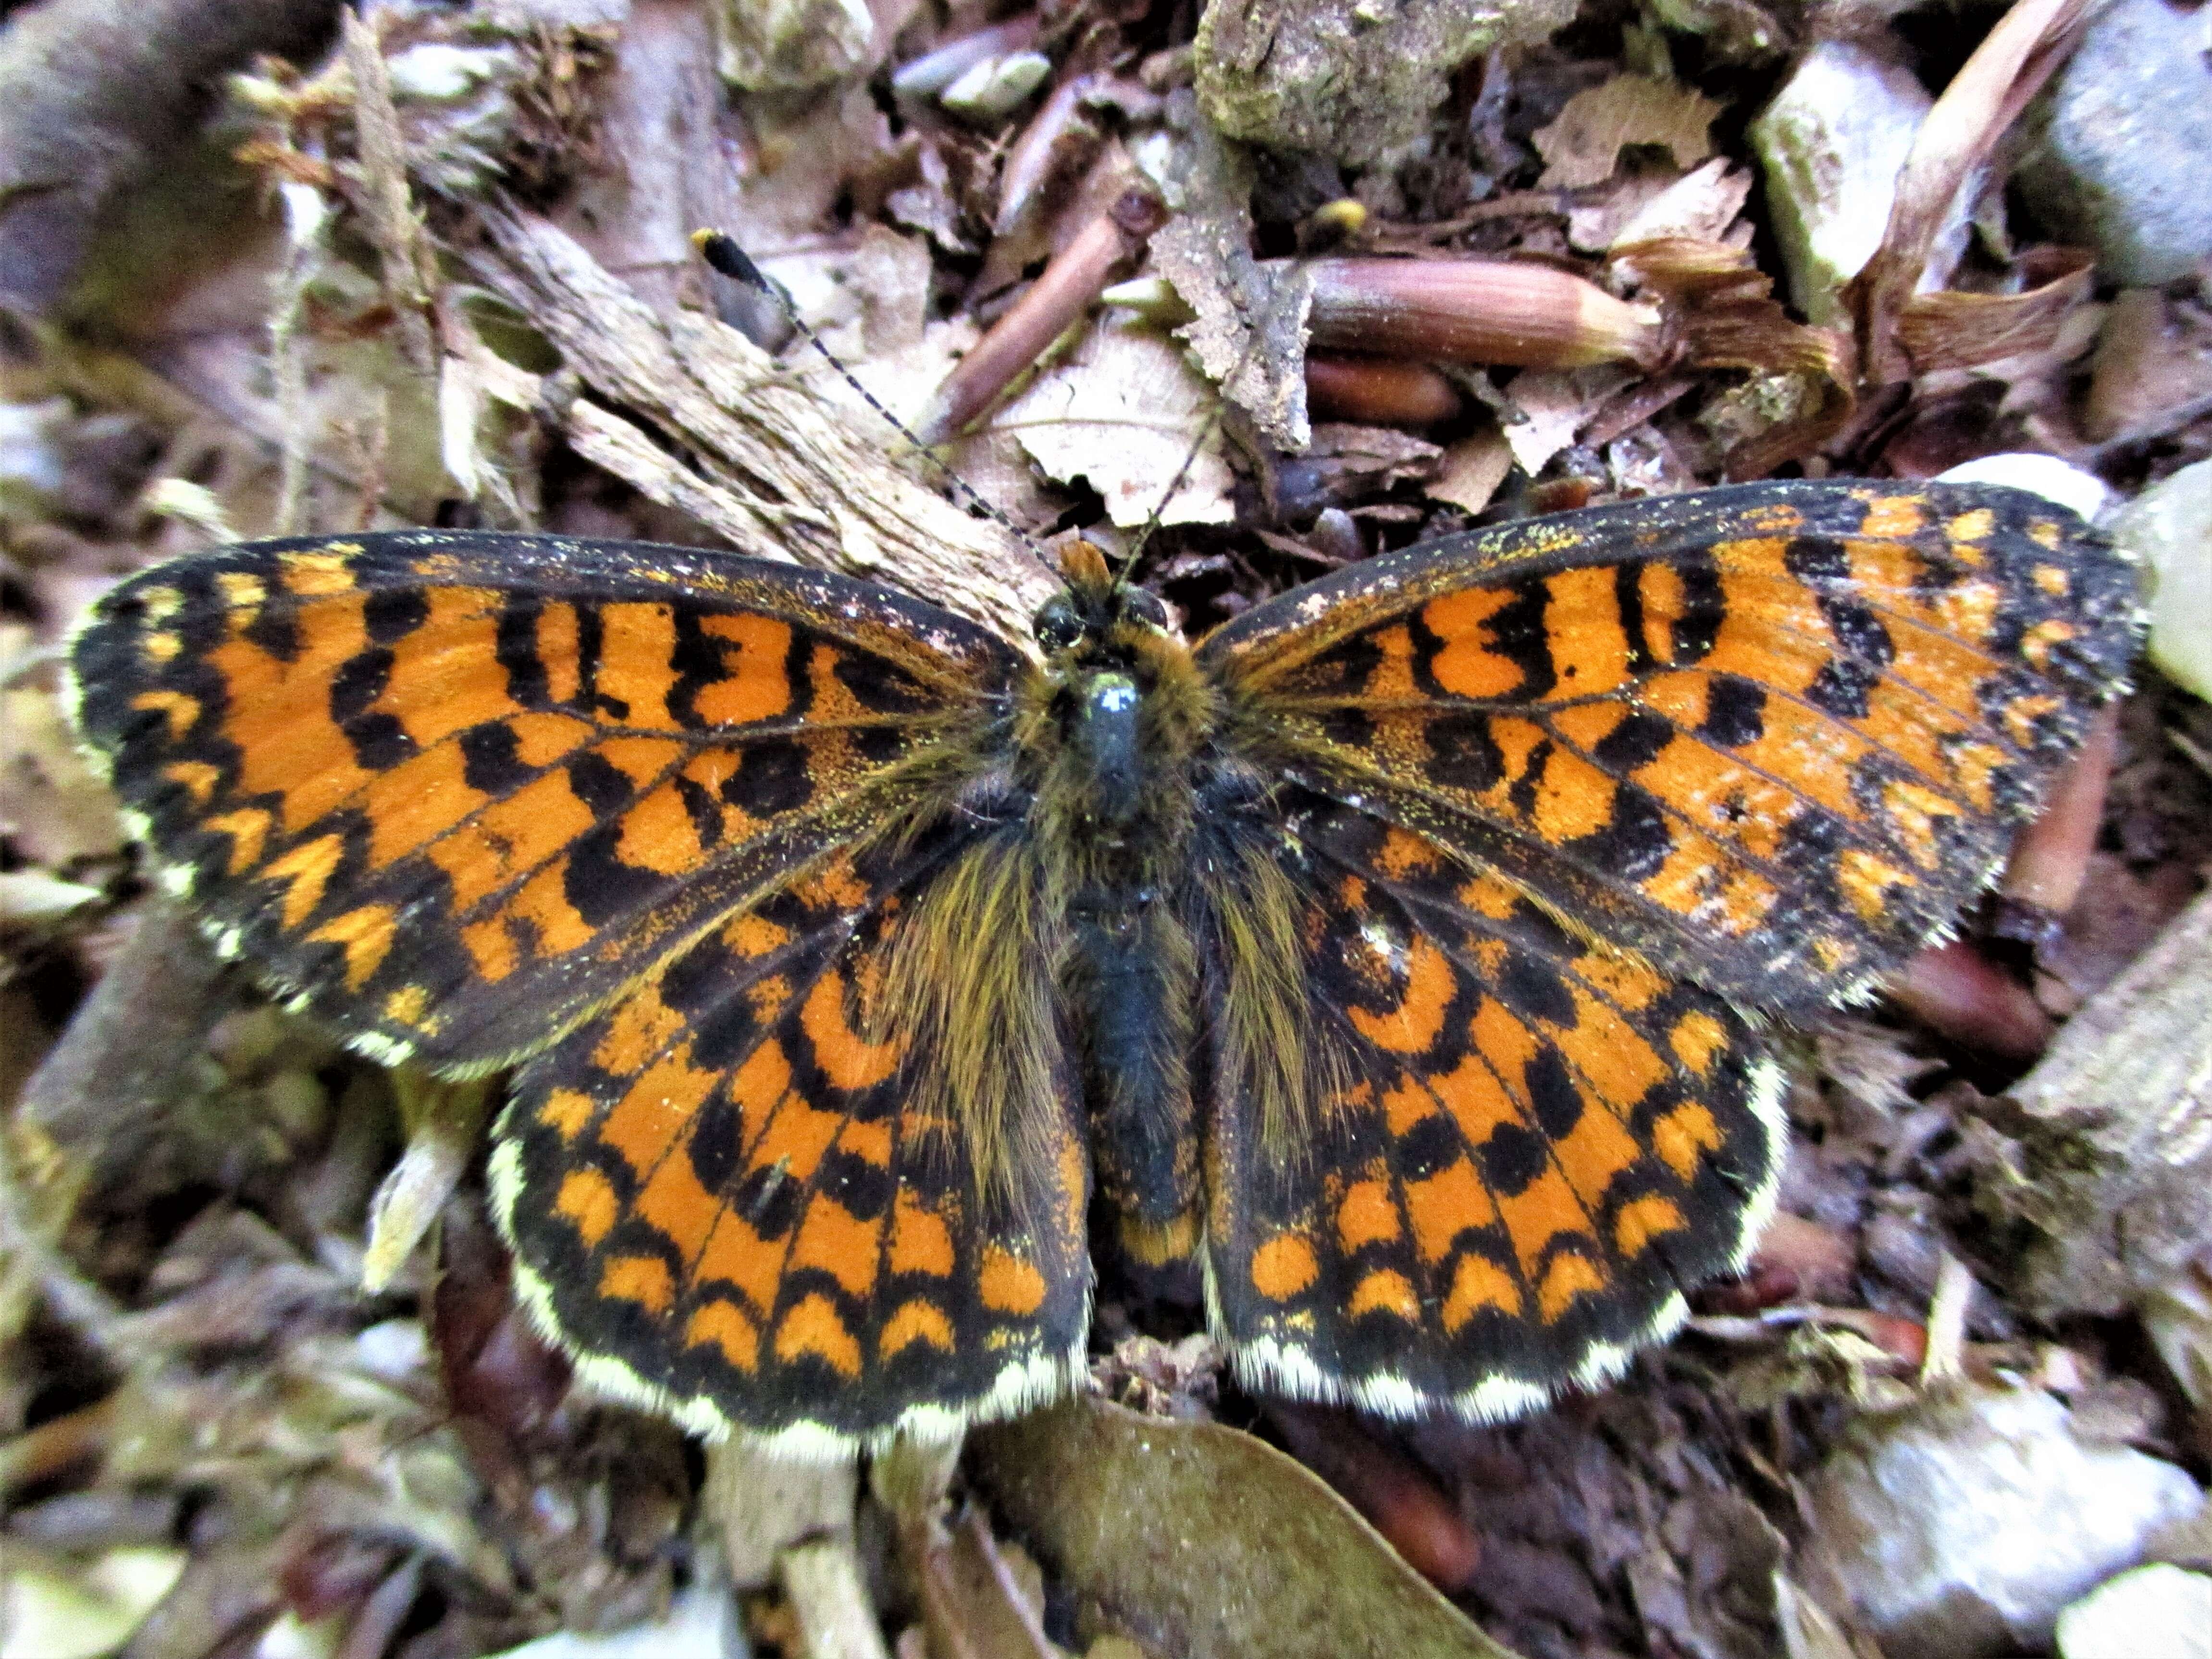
(760,1504)
(444,1122)
(1723,307)
(306,228)
(822,1581)
(1958,991)
(1475,311)
(1946,1336)
(2052,857)
(1378,392)
(971,1602)
(1070,283)
(39,1454)
(773,468)
(386,204)
(1033,158)
(1983,99)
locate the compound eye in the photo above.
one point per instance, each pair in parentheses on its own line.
(1145,607)
(1058,624)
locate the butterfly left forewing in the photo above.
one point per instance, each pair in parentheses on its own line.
(1532,1144)
(451,792)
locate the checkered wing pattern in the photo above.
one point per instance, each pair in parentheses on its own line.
(1560,797)
(456,791)
(728,1201)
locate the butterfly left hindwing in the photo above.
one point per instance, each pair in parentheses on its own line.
(728,1200)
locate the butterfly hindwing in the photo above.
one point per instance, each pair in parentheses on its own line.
(1770,736)
(1534,1144)
(454,791)
(725,1199)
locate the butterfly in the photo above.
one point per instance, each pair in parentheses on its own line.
(1397,954)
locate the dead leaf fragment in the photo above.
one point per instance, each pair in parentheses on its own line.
(1123,410)
(1287,1569)
(1581,146)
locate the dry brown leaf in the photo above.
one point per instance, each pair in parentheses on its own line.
(1984,98)
(1581,146)
(1130,1512)
(1122,409)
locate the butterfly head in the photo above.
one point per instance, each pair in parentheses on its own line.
(1120,694)
(1098,620)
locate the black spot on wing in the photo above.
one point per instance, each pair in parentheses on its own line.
(715,1147)
(600,885)
(1511,1158)
(1735,712)
(771,777)
(1704,606)
(1462,752)
(1552,1093)
(514,644)
(599,783)
(1634,842)
(391,614)
(1635,742)
(490,762)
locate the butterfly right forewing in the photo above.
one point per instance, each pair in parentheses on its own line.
(1771,736)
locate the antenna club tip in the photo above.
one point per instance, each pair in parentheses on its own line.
(721,252)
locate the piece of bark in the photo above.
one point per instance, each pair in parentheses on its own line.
(773,468)
(2114,1167)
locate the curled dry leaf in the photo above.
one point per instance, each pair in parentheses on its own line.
(1983,99)
(1129,1511)
(1957,330)
(1123,410)
(1729,318)
(444,1122)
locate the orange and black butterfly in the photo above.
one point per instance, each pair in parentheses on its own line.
(1388,954)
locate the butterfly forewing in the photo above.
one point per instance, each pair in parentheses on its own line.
(1770,736)
(453,791)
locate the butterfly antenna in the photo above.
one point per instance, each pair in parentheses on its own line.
(721,252)
(1190,457)
(1207,429)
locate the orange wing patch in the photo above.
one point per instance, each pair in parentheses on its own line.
(1769,738)
(1548,1140)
